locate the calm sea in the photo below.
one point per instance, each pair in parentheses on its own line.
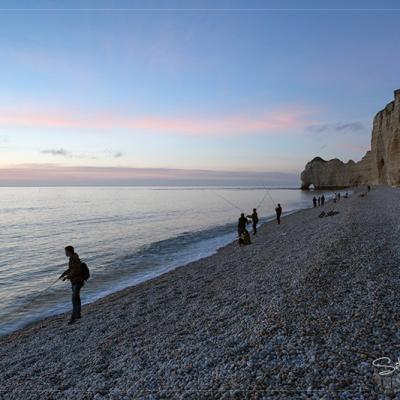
(125,234)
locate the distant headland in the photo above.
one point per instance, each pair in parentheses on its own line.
(380,165)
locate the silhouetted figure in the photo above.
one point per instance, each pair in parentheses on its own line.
(332,213)
(278,211)
(322,200)
(319,201)
(346,196)
(244,238)
(254,218)
(369,188)
(75,273)
(242,222)
(338,196)
(314,200)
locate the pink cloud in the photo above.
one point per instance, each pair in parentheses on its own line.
(55,174)
(265,123)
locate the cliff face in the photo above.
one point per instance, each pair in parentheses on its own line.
(385,144)
(381,165)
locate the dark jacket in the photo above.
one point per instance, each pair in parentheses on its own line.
(254,217)
(242,223)
(74,272)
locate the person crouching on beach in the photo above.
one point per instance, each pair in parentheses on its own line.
(75,274)
(245,240)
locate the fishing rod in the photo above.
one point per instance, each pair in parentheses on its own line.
(262,201)
(238,208)
(269,194)
(229,202)
(45,289)
(20,308)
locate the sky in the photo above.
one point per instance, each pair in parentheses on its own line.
(153,92)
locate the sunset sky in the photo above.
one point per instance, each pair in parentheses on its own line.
(116,91)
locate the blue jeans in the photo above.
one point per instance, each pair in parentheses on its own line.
(76,300)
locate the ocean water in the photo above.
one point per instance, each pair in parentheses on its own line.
(125,234)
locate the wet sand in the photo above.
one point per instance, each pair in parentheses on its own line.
(300,313)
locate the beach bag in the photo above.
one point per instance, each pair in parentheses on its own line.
(85,271)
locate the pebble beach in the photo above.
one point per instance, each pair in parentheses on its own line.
(301,313)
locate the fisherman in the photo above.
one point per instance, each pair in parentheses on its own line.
(242,222)
(254,218)
(75,274)
(322,200)
(278,211)
(314,200)
(319,201)
(246,237)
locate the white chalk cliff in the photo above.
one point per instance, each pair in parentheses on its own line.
(381,165)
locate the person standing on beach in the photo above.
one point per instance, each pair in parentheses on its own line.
(314,200)
(322,200)
(278,211)
(242,222)
(319,201)
(75,274)
(254,218)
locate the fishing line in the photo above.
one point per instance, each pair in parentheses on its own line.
(229,202)
(269,194)
(262,201)
(241,210)
(41,292)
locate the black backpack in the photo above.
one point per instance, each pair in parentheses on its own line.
(85,271)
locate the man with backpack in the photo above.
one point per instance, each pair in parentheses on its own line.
(77,273)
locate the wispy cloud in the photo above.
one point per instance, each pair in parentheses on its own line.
(352,147)
(53,174)
(271,122)
(66,153)
(56,152)
(355,126)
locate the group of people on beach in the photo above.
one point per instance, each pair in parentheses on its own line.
(78,272)
(320,201)
(243,233)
